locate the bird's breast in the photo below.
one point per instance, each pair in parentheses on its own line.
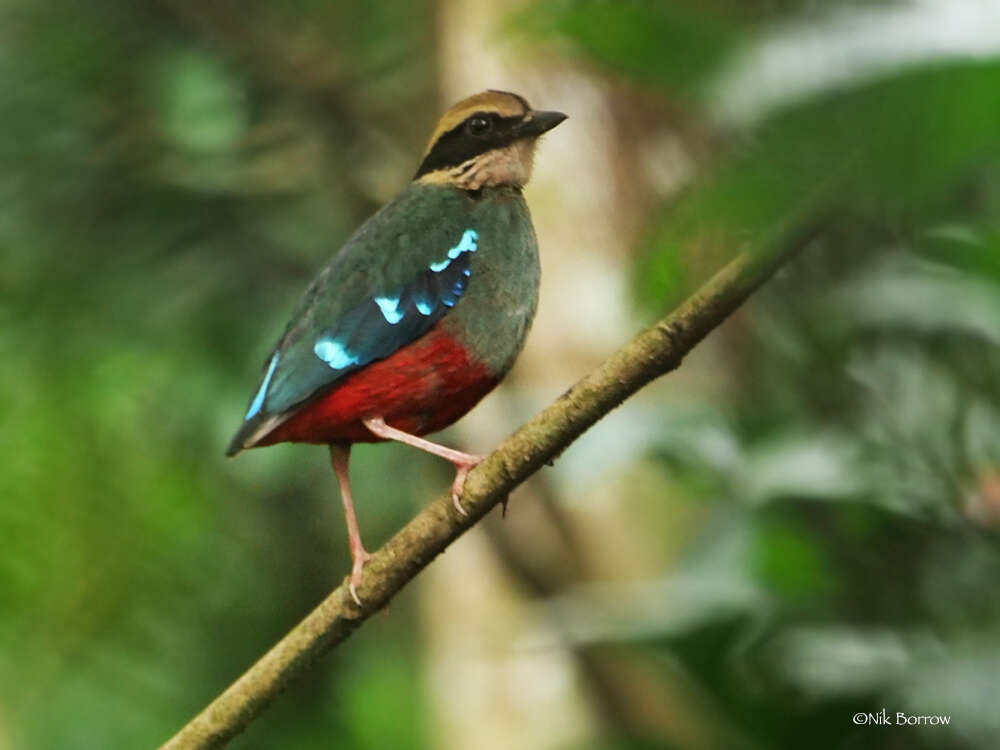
(495,313)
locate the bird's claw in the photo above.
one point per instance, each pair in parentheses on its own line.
(461,472)
(456,489)
(360,558)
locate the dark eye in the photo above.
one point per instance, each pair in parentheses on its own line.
(479,126)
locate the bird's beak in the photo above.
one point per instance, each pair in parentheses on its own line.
(538,122)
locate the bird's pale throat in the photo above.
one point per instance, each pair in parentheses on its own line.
(507,165)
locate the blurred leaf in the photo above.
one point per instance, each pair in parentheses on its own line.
(900,146)
(702,592)
(791,565)
(654,41)
(955,679)
(201,105)
(826,662)
(971,248)
(902,294)
(800,466)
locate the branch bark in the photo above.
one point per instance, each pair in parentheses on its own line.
(652,353)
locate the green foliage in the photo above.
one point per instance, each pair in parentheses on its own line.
(165,198)
(854,466)
(659,42)
(904,152)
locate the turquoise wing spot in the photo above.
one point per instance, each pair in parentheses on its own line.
(258,400)
(429,293)
(334,354)
(390,309)
(382,322)
(468,244)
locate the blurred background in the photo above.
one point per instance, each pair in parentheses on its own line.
(797,526)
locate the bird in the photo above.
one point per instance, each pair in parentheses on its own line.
(423,310)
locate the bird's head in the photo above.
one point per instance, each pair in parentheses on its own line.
(486,140)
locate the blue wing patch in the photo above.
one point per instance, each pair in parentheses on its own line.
(334,354)
(387,322)
(258,399)
(371,330)
(390,311)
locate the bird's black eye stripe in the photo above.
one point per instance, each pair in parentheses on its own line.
(464,141)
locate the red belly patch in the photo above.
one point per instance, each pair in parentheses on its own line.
(421,388)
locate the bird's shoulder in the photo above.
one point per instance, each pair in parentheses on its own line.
(396,243)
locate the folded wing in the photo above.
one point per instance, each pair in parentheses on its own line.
(325,343)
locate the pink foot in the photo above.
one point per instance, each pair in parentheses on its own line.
(462,469)
(462,462)
(360,558)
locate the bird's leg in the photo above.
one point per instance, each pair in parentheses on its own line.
(463,462)
(340,454)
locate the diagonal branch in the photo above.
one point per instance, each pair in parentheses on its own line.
(652,353)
